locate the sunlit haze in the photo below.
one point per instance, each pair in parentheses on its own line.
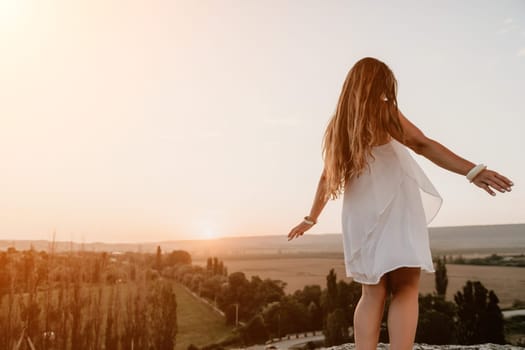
(128,121)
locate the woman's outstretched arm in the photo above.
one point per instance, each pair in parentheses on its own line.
(445,158)
(317,207)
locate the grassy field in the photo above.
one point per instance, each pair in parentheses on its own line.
(507,282)
(198,324)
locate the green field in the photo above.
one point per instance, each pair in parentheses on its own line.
(198,323)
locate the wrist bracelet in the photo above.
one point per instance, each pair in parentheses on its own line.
(475,171)
(309,221)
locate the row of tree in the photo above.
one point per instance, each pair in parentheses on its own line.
(120,301)
(265,311)
(86,300)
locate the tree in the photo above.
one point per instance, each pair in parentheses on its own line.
(355,291)
(285,317)
(470,312)
(30,314)
(215,265)
(340,295)
(254,331)
(112,327)
(158,259)
(478,315)
(495,332)
(316,317)
(211,286)
(264,291)
(178,257)
(26,270)
(348,295)
(436,320)
(336,331)
(76,306)
(310,296)
(162,315)
(209,265)
(235,297)
(4,273)
(247,297)
(331,292)
(441,277)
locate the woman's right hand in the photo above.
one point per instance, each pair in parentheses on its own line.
(299,230)
(489,180)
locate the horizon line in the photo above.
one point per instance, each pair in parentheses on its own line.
(216,238)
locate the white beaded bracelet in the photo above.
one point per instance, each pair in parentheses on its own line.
(307,220)
(475,171)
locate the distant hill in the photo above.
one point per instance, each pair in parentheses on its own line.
(450,240)
(467,239)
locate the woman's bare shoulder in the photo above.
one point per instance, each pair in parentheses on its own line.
(412,136)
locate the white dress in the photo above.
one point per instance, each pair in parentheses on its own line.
(385,215)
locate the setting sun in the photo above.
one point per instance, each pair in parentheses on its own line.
(208,233)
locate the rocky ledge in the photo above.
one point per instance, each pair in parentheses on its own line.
(382,346)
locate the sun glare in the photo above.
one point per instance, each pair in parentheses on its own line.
(208,235)
(206,228)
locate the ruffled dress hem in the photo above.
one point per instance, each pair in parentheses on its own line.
(356,276)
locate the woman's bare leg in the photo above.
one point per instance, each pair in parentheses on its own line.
(368,315)
(404,308)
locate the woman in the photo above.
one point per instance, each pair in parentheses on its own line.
(388,200)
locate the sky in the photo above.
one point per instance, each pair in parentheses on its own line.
(131,121)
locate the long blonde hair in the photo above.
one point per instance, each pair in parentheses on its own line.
(366,116)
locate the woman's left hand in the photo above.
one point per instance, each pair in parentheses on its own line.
(489,180)
(299,230)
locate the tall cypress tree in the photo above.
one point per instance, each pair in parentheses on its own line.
(441,277)
(215,265)
(209,265)
(331,292)
(158,259)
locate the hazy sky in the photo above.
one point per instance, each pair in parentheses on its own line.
(156,120)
